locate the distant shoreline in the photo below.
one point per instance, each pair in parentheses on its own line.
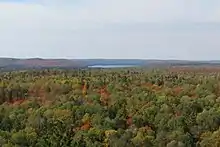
(39,63)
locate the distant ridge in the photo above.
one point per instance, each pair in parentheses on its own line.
(16,64)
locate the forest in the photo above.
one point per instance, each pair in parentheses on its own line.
(130,107)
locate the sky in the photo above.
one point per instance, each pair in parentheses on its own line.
(126,29)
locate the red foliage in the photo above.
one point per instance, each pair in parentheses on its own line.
(129,121)
(84,89)
(104,95)
(149,85)
(17,101)
(177,90)
(38,62)
(178,113)
(86,126)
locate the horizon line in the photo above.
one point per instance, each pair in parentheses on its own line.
(150,59)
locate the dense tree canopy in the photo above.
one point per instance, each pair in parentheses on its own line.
(110,108)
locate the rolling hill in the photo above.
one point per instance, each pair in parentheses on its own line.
(38,63)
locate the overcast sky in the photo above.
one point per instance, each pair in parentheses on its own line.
(146,29)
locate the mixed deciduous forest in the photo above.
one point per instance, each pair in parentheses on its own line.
(178,107)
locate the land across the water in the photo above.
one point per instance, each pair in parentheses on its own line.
(38,63)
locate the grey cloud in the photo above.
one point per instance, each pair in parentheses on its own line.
(109,29)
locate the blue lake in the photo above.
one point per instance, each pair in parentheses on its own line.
(111,66)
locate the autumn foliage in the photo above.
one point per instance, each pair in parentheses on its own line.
(174,107)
